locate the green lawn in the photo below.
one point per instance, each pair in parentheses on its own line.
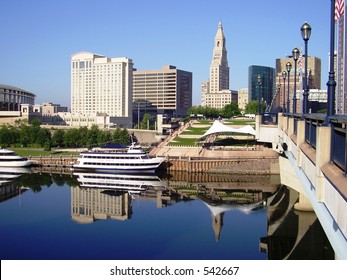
(238,122)
(40,152)
(178,141)
(195,131)
(204,122)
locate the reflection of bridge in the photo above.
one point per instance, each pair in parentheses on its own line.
(313,163)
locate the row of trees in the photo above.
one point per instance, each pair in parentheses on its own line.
(228,111)
(33,135)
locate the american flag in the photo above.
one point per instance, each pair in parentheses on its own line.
(339,9)
(300,62)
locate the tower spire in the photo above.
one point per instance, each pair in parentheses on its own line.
(219,69)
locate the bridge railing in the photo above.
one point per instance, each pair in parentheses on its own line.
(312,121)
(339,135)
(269,118)
(339,141)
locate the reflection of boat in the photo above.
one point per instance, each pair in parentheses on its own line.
(124,159)
(132,183)
(8,174)
(9,158)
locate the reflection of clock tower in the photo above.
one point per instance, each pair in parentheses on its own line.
(219,69)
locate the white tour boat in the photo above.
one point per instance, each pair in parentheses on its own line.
(115,158)
(9,158)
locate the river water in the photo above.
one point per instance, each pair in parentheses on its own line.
(56,216)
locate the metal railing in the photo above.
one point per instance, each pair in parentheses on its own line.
(312,121)
(269,118)
(339,141)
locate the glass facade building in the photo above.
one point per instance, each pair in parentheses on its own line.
(267,88)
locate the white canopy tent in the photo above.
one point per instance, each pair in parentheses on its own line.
(218,127)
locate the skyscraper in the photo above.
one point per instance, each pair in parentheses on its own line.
(219,69)
(267,87)
(101,85)
(168,89)
(313,78)
(215,92)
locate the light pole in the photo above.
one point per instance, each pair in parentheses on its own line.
(259,93)
(138,114)
(296,54)
(289,68)
(284,76)
(305,33)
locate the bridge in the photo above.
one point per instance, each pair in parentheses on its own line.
(313,161)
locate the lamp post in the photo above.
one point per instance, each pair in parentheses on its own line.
(296,54)
(284,76)
(259,93)
(305,33)
(289,68)
(138,114)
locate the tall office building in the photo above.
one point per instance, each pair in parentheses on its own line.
(267,88)
(169,90)
(215,92)
(101,85)
(313,77)
(219,69)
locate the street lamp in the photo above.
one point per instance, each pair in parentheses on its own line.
(284,76)
(259,93)
(138,114)
(305,33)
(331,82)
(296,54)
(289,68)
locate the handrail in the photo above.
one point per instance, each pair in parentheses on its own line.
(339,141)
(312,121)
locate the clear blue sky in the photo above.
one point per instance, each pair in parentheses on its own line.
(39,37)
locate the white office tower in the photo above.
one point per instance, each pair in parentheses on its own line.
(102,86)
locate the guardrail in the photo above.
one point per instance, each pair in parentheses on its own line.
(312,121)
(269,118)
(339,141)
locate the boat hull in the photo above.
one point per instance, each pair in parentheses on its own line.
(125,170)
(23,163)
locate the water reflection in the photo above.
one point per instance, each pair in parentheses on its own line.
(96,196)
(7,176)
(291,234)
(108,195)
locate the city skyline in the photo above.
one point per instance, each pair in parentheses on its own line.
(40,38)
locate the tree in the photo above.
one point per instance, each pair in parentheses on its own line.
(58,138)
(145,119)
(92,136)
(252,107)
(231,110)
(71,137)
(104,137)
(43,137)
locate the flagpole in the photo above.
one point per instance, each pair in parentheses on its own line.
(331,83)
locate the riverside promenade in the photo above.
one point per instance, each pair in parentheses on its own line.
(250,159)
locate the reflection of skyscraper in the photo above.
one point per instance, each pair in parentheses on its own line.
(217,224)
(90,204)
